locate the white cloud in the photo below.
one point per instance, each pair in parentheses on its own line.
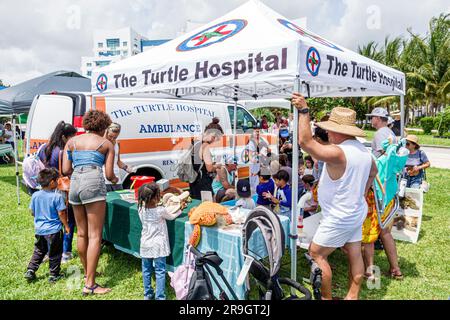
(43,36)
(357,25)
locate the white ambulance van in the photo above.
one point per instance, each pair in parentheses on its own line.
(155,132)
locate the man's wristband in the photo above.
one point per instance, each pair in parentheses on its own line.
(303,111)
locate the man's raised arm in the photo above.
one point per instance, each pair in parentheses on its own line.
(330,154)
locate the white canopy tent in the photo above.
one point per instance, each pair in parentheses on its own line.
(251,53)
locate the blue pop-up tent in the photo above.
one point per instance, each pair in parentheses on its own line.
(18,99)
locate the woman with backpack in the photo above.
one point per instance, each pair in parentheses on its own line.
(202,160)
(51,156)
(51,151)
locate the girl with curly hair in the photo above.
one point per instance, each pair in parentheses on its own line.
(84,158)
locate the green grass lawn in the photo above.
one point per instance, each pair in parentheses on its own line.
(423,139)
(426,265)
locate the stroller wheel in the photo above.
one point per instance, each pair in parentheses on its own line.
(297,286)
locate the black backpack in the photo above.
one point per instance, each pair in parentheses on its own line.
(200,286)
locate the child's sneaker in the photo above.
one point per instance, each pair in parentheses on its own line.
(54,279)
(45,259)
(66,257)
(30,275)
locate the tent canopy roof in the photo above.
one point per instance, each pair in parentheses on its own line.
(251,52)
(18,99)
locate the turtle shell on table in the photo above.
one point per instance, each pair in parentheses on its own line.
(207,214)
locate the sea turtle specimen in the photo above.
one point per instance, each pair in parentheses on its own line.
(207,214)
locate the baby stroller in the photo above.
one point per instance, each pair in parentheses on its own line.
(268,280)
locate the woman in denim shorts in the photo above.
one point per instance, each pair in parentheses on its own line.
(84,158)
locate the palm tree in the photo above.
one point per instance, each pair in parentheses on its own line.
(370,50)
(389,55)
(430,61)
(425,61)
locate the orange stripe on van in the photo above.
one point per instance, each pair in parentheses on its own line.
(153,145)
(172,144)
(162,144)
(100,104)
(35,144)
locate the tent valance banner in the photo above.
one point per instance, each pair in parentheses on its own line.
(256,49)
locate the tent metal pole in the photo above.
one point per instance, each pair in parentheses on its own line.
(235,99)
(402,115)
(16,158)
(294,213)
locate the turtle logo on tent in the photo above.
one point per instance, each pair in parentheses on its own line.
(306,33)
(212,35)
(313,61)
(102,83)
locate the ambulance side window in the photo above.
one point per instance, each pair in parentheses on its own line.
(244,119)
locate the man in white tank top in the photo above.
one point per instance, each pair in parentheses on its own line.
(347,175)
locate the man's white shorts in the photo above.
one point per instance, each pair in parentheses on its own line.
(330,236)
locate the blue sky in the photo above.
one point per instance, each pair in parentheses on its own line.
(43,36)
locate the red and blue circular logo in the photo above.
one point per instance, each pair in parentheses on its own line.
(102,83)
(215,34)
(306,33)
(313,61)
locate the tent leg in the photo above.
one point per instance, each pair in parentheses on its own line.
(235,128)
(235,99)
(294,213)
(402,115)
(16,157)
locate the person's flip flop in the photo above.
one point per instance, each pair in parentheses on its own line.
(92,290)
(397,275)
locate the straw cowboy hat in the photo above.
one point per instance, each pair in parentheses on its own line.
(342,120)
(412,138)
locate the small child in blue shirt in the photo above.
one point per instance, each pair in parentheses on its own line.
(266,184)
(49,211)
(283,197)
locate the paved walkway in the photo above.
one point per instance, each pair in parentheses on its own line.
(439,157)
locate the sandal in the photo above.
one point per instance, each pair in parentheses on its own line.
(396,275)
(92,290)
